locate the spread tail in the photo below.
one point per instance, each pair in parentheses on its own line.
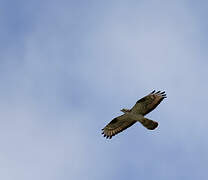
(149,124)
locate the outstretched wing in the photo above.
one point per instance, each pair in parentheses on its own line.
(117,125)
(148,103)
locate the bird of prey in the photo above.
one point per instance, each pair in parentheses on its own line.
(135,114)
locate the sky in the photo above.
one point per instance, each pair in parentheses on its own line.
(68,67)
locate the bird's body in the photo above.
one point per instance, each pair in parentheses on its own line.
(136,114)
(133,116)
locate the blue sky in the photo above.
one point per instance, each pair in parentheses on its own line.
(68,67)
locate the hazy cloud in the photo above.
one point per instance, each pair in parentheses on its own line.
(69,67)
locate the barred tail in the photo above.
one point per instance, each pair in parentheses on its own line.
(149,124)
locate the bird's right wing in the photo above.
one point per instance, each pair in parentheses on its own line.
(117,125)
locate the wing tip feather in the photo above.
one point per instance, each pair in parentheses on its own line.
(163,94)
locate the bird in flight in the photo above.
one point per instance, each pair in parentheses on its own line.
(135,114)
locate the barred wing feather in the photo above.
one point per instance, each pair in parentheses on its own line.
(148,103)
(116,126)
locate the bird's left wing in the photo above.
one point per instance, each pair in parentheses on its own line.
(148,103)
(116,126)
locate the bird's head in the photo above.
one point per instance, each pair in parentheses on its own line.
(125,110)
